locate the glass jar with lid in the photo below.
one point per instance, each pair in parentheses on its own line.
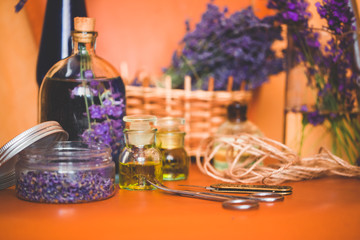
(170,141)
(140,160)
(84,93)
(65,172)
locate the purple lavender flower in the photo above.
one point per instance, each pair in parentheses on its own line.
(291,12)
(333,115)
(101,128)
(88,135)
(315,118)
(93,83)
(338,15)
(238,45)
(115,111)
(73,92)
(88,74)
(303,108)
(96,112)
(338,60)
(108,132)
(20,5)
(107,102)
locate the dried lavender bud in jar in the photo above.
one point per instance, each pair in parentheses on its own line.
(57,187)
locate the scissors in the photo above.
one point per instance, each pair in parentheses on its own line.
(232,202)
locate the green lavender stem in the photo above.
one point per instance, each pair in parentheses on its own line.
(84,58)
(345,135)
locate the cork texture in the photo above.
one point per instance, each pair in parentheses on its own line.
(84,24)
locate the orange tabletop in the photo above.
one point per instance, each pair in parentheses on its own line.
(327,208)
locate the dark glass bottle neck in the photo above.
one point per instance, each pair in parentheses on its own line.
(56,33)
(237,112)
(84,42)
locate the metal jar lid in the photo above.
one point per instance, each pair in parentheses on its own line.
(45,133)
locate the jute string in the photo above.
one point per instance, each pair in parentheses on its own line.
(246,164)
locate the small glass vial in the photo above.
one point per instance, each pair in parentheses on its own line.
(65,172)
(170,141)
(140,159)
(235,124)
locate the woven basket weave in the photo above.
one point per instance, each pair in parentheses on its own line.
(203,111)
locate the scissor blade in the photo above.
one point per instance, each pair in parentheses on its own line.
(188,193)
(195,186)
(259,196)
(242,190)
(254,188)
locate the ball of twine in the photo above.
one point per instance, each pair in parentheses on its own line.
(248,153)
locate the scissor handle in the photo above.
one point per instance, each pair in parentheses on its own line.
(240,204)
(266,197)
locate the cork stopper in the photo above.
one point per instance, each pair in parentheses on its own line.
(84,24)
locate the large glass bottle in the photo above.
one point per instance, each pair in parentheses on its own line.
(236,124)
(170,141)
(140,159)
(56,33)
(84,93)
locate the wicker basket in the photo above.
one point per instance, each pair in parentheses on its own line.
(203,111)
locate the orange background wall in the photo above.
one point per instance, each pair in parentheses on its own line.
(141,33)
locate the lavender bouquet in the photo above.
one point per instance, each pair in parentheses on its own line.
(330,69)
(221,46)
(104,109)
